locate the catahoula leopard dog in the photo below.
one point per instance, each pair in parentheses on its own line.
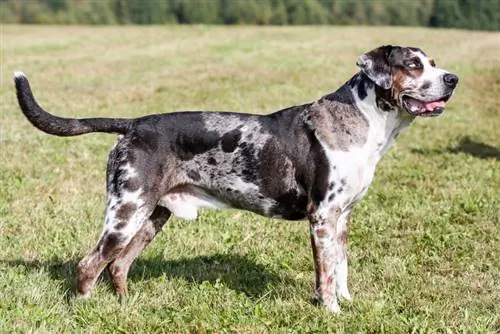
(311,161)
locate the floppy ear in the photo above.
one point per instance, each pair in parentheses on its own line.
(376,65)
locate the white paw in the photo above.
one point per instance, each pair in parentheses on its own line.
(343,293)
(333,306)
(82,296)
(341,281)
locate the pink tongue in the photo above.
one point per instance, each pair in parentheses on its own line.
(433,105)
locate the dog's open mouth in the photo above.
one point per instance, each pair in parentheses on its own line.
(424,108)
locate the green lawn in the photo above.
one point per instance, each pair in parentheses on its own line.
(424,243)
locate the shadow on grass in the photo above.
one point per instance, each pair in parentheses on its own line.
(237,272)
(466,145)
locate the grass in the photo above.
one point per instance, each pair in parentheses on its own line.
(424,243)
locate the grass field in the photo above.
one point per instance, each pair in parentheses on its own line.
(424,243)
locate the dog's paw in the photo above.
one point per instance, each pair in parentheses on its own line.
(333,306)
(341,281)
(343,293)
(82,296)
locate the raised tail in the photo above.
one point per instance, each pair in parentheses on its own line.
(60,126)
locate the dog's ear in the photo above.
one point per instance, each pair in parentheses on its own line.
(376,64)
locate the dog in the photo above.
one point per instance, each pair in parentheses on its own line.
(312,161)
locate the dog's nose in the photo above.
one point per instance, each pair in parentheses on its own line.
(450,80)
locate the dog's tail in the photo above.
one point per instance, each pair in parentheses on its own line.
(60,126)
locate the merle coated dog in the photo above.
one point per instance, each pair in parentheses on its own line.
(310,161)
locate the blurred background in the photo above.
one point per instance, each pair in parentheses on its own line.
(465,14)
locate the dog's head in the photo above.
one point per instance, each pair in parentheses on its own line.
(410,78)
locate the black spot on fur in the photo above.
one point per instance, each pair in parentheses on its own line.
(331,186)
(125,211)
(132,184)
(322,171)
(110,244)
(343,181)
(384,104)
(272,169)
(248,161)
(339,190)
(364,85)
(145,140)
(291,206)
(352,82)
(331,197)
(426,85)
(115,174)
(184,133)
(121,225)
(275,177)
(211,161)
(248,173)
(343,94)
(193,175)
(230,141)
(187,146)
(362,94)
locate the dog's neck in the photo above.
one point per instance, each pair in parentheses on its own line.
(385,117)
(351,119)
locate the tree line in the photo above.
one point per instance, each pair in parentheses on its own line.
(466,14)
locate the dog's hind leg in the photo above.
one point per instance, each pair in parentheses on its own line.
(125,216)
(119,267)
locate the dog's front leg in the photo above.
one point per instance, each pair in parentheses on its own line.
(341,266)
(326,252)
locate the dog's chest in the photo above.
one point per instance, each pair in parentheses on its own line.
(350,174)
(351,170)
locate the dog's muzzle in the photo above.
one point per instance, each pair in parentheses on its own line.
(435,107)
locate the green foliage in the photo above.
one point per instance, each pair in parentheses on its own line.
(193,11)
(483,14)
(467,14)
(306,12)
(92,12)
(279,13)
(149,12)
(246,11)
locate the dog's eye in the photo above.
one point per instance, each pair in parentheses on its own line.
(414,64)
